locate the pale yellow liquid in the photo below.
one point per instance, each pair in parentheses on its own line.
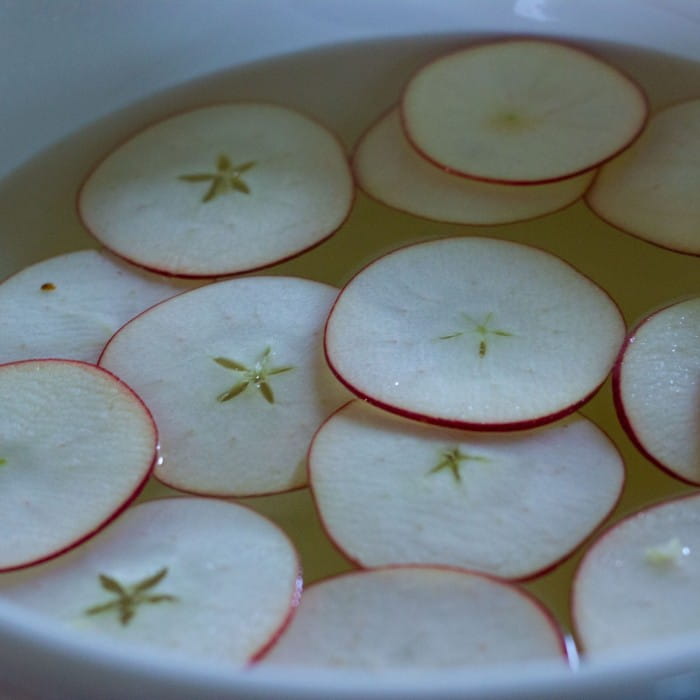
(346,88)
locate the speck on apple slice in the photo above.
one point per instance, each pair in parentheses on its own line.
(521,111)
(76,447)
(656,385)
(393,491)
(651,190)
(416,617)
(235,376)
(195,577)
(219,190)
(473,333)
(388,168)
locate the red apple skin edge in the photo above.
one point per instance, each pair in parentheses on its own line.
(525,578)
(167,273)
(549,40)
(137,489)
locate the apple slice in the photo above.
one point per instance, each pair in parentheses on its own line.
(235,376)
(389,169)
(417,617)
(219,190)
(391,491)
(70,305)
(651,191)
(76,447)
(639,582)
(521,111)
(199,578)
(473,333)
(656,385)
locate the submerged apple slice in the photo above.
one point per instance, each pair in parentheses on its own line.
(76,447)
(656,386)
(199,578)
(651,191)
(473,333)
(235,376)
(388,169)
(416,617)
(219,190)
(521,111)
(391,491)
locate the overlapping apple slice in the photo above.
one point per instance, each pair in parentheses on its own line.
(76,447)
(473,333)
(416,617)
(199,578)
(219,190)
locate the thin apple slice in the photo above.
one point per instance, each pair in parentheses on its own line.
(392,491)
(656,385)
(388,168)
(651,191)
(419,618)
(219,190)
(473,333)
(235,376)
(195,577)
(521,111)
(76,447)
(639,582)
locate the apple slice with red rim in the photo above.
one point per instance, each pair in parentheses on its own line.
(521,111)
(76,447)
(199,578)
(656,384)
(219,190)
(393,491)
(473,332)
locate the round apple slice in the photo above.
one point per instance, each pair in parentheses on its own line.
(416,617)
(199,578)
(235,376)
(473,333)
(389,169)
(651,191)
(391,491)
(219,190)
(656,385)
(521,111)
(76,447)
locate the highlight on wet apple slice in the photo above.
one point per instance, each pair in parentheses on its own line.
(416,617)
(235,376)
(388,168)
(69,306)
(651,190)
(473,333)
(76,447)
(199,578)
(521,111)
(393,491)
(219,190)
(638,583)
(656,384)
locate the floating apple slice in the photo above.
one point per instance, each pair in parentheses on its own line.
(638,582)
(76,447)
(657,388)
(219,190)
(473,333)
(651,191)
(416,617)
(391,491)
(196,577)
(235,376)
(388,169)
(521,111)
